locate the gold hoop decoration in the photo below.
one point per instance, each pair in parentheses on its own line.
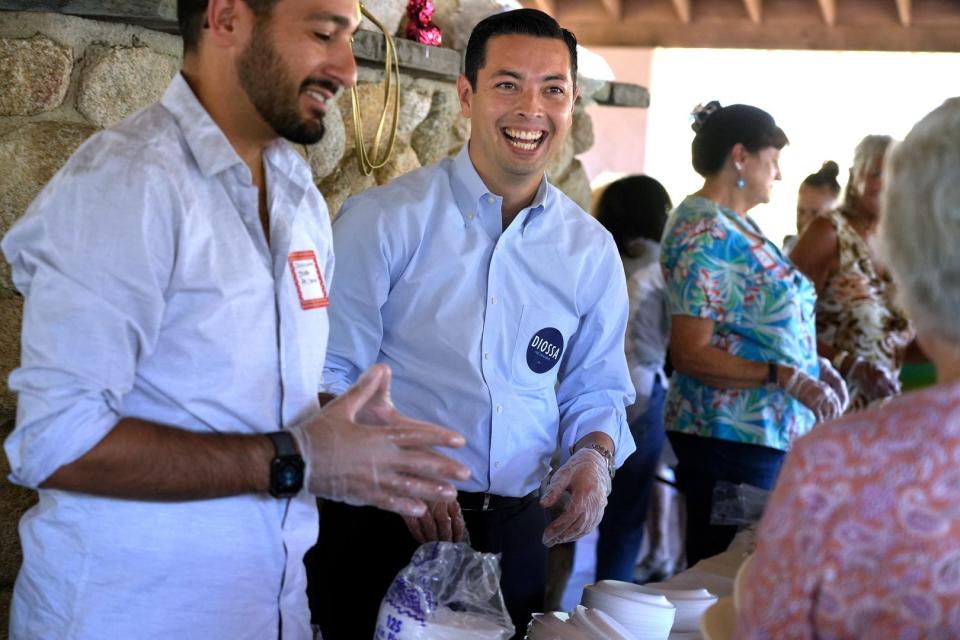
(370,161)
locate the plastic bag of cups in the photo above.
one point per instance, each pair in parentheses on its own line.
(447,592)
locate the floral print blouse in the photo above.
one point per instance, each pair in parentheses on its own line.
(763,308)
(855,310)
(860,536)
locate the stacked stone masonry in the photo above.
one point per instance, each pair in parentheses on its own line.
(64,78)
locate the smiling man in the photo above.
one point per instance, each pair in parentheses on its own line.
(174,275)
(501,308)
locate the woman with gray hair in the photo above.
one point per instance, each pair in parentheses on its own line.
(859,328)
(859,539)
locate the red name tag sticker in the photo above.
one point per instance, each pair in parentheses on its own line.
(763,256)
(308,279)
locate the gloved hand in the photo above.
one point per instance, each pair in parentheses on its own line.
(587,478)
(814,394)
(442,521)
(360,450)
(873,380)
(833,378)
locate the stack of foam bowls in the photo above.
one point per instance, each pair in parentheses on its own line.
(642,614)
(553,625)
(690,604)
(597,624)
(581,624)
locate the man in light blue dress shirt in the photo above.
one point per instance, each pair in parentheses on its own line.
(175,328)
(501,308)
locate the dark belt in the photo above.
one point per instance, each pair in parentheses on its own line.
(490,502)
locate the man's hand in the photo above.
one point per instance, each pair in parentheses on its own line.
(442,521)
(360,450)
(587,478)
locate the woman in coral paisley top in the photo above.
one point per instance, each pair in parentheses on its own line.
(861,538)
(858,325)
(742,342)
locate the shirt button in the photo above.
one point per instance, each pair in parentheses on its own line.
(486,356)
(493,300)
(490,199)
(496,464)
(470,216)
(499,408)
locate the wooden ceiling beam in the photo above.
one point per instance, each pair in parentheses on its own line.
(754,10)
(829,10)
(614,8)
(683,10)
(742,34)
(547,6)
(903,9)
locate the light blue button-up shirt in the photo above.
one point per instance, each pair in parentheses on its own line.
(513,337)
(150,292)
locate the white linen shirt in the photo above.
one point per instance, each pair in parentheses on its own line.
(150,292)
(512,337)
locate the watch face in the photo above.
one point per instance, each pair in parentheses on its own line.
(289,476)
(286,476)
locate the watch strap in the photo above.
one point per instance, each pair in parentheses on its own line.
(772,373)
(606,453)
(283,443)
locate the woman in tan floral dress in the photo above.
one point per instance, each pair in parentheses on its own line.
(859,327)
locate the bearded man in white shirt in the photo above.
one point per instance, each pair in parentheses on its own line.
(175,277)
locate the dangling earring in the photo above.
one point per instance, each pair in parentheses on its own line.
(740,182)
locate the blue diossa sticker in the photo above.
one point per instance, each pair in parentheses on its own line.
(544,350)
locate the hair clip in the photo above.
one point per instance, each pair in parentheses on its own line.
(701,113)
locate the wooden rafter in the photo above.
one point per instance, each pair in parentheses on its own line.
(754,10)
(829,10)
(613,7)
(547,6)
(683,10)
(903,8)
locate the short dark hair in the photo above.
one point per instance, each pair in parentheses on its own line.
(527,22)
(634,207)
(190,18)
(720,128)
(826,177)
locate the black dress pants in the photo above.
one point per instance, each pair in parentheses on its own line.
(361,550)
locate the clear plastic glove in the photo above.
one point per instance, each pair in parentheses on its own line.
(833,378)
(873,381)
(360,450)
(814,394)
(443,521)
(587,479)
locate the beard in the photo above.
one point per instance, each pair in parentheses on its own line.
(266,81)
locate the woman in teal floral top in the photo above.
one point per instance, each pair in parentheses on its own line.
(743,344)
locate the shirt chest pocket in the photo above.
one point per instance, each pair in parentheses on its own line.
(542,340)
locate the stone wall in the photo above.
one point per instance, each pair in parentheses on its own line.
(64,78)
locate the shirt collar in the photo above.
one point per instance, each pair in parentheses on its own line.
(471,193)
(210,147)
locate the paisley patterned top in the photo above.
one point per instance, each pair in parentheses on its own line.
(763,308)
(855,310)
(859,538)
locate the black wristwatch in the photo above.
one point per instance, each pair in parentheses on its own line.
(286,468)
